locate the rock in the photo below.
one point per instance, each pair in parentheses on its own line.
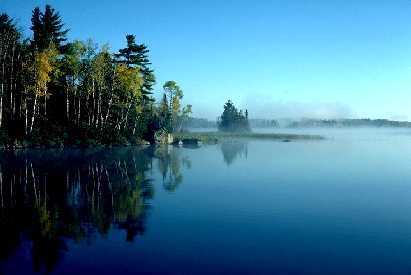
(163,137)
(191,141)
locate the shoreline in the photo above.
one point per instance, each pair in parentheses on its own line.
(184,138)
(216,137)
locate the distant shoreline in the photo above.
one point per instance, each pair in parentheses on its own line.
(215,137)
(194,123)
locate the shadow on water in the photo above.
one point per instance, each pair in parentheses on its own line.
(49,197)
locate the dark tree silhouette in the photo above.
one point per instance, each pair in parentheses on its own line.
(233,120)
(47,29)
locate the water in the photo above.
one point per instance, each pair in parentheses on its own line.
(339,206)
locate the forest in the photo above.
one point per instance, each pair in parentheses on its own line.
(55,92)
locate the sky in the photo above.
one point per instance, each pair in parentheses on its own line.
(276,58)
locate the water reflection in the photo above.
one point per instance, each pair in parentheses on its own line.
(169,165)
(233,149)
(49,197)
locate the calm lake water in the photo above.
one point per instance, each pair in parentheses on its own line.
(338,206)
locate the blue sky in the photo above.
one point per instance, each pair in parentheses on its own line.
(288,58)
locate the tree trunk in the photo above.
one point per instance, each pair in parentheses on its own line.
(45,106)
(11,82)
(79,110)
(34,113)
(67,104)
(1,105)
(26,119)
(110,102)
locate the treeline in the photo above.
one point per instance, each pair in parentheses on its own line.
(193,123)
(263,123)
(349,123)
(55,92)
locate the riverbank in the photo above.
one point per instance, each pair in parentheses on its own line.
(175,138)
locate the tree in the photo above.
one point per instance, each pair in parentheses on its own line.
(47,29)
(128,83)
(59,92)
(177,115)
(164,114)
(233,120)
(136,55)
(41,69)
(10,61)
(72,66)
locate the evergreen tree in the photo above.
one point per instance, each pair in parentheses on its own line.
(233,120)
(47,29)
(136,55)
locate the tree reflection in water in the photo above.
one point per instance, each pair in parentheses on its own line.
(48,197)
(170,162)
(233,149)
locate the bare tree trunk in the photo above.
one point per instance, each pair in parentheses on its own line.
(1,186)
(34,113)
(67,104)
(110,102)
(2,90)
(1,104)
(79,110)
(26,120)
(135,126)
(75,107)
(45,106)
(11,82)
(126,118)
(94,103)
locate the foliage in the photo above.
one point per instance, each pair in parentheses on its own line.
(55,92)
(47,29)
(171,114)
(233,120)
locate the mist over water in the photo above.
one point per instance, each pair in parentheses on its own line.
(347,133)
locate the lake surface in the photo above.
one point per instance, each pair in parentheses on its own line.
(338,206)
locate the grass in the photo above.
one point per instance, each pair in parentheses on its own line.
(214,137)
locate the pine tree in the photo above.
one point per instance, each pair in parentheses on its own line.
(47,29)
(37,28)
(136,55)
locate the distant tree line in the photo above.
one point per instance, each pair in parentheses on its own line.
(263,123)
(193,122)
(329,123)
(57,92)
(348,123)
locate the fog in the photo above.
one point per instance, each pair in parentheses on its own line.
(348,133)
